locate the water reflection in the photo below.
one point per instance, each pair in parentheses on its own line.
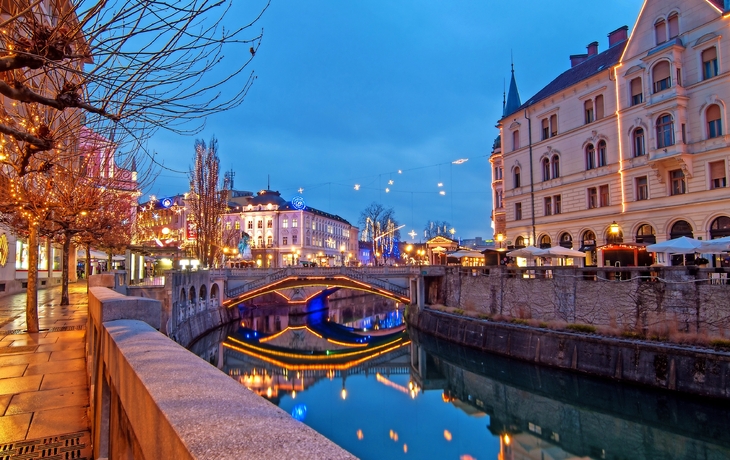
(357,376)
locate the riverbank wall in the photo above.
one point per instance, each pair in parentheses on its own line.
(684,369)
(649,301)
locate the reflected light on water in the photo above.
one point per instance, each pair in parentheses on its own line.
(447,435)
(405,448)
(359,435)
(343,394)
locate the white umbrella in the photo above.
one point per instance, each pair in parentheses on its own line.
(528,252)
(716,246)
(460,254)
(559,251)
(681,245)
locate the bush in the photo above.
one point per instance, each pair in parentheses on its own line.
(720,343)
(519,321)
(582,328)
(458,311)
(543,325)
(631,335)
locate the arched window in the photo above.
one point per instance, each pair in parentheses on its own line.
(545,169)
(680,228)
(555,164)
(673,21)
(260,241)
(660,31)
(709,63)
(269,241)
(545,242)
(203,293)
(664,131)
(519,242)
(191,296)
(661,76)
(588,110)
(566,240)
(638,142)
(517,177)
(637,91)
(645,234)
(516,139)
(720,227)
(601,153)
(590,157)
(714,121)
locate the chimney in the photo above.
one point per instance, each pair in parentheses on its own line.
(620,34)
(576,59)
(592,49)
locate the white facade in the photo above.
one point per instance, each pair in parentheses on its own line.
(648,159)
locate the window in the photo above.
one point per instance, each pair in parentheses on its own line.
(269,223)
(555,164)
(517,176)
(590,157)
(250,224)
(545,169)
(269,241)
(673,21)
(709,63)
(548,206)
(285,223)
(662,77)
(499,200)
(660,31)
(238,225)
(294,223)
(718,178)
(284,240)
(545,242)
(642,188)
(294,239)
(314,225)
(516,139)
(664,131)
(260,241)
(601,153)
(228,225)
(645,234)
(677,182)
(588,109)
(714,121)
(592,198)
(557,206)
(518,211)
(638,136)
(260,224)
(599,107)
(553,125)
(497,173)
(520,242)
(603,192)
(545,128)
(637,93)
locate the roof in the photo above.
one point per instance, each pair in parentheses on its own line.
(719,4)
(288,207)
(513,96)
(580,72)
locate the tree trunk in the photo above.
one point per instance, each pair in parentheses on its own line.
(64,268)
(88,266)
(31,298)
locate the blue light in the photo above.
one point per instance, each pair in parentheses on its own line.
(299,412)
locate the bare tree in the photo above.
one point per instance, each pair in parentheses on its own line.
(434,228)
(380,227)
(122,68)
(207,203)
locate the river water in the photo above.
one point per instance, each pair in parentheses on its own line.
(355,374)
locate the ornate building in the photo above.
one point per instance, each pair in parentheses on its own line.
(629,145)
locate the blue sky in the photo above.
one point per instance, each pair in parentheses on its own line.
(352,92)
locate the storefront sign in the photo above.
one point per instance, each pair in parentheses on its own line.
(192,231)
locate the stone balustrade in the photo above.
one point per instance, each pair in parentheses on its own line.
(153,399)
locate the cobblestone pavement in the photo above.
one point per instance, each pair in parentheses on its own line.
(44,391)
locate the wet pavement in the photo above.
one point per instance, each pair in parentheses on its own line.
(44,391)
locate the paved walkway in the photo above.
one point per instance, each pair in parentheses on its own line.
(44,393)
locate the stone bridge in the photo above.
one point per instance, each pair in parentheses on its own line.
(402,284)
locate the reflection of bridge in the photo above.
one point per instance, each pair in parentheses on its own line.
(402,284)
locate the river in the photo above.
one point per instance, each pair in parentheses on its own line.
(357,375)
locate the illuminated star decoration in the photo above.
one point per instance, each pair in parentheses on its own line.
(387,190)
(413,234)
(155,216)
(442,192)
(301,190)
(390,182)
(357,186)
(440,184)
(460,161)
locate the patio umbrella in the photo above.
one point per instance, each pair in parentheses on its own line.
(559,251)
(527,253)
(681,245)
(716,246)
(460,254)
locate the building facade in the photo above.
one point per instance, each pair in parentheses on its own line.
(628,146)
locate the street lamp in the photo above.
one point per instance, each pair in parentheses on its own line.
(409,248)
(342,254)
(500,238)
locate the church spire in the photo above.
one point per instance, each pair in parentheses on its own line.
(513,96)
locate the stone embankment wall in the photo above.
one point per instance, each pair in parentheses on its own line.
(633,299)
(152,399)
(702,372)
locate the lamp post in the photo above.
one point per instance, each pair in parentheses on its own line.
(342,255)
(500,238)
